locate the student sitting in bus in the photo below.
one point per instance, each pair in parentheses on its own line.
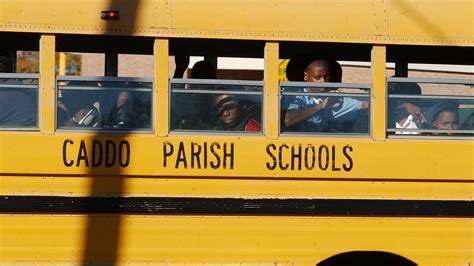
(78,109)
(17,106)
(446,117)
(405,113)
(312,113)
(192,104)
(233,115)
(121,114)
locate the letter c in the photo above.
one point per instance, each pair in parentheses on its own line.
(71,162)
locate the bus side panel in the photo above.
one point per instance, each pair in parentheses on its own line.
(245,157)
(220,239)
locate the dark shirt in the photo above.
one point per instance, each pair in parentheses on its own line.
(18,107)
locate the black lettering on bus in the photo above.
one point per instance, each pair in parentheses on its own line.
(181,156)
(229,154)
(205,155)
(65,161)
(345,150)
(167,153)
(326,157)
(110,152)
(309,157)
(97,151)
(274,159)
(296,155)
(195,154)
(217,164)
(333,155)
(82,155)
(280,157)
(127,153)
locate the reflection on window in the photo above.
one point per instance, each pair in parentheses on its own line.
(216,105)
(18,101)
(430,107)
(104,103)
(327,108)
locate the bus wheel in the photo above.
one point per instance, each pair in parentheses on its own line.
(366,258)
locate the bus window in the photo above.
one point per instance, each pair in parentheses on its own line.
(328,89)
(18,101)
(430,107)
(216,105)
(324,108)
(105,103)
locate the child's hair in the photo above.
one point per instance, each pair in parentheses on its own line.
(444,108)
(6,64)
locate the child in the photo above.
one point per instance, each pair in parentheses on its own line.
(309,113)
(445,118)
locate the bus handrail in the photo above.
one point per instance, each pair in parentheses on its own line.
(217,92)
(104,79)
(442,97)
(431,80)
(326,94)
(19,75)
(217,82)
(326,85)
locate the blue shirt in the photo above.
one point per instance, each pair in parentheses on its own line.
(346,111)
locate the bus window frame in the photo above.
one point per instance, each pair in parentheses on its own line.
(105,79)
(256,83)
(391,131)
(22,76)
(301,84)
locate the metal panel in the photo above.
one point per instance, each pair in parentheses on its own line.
(379,93)
(271,121)
(161,95)
(414,20)
(378,22)
(245,156)
(431,80)
(47,69)
(326,85)
(216,239)
(208,187)
(217,82)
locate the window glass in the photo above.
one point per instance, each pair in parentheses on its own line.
(18,101)
(430,107)
(324,108)
(216,105)
(104,103)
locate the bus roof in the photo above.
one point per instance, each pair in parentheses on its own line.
(445,23)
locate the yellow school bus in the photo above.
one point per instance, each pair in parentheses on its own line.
(207,170)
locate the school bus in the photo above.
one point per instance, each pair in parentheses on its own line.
(120,170)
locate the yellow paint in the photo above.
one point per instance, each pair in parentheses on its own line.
(282,70)
(229,239)
(62,64)
(379,93)
(161,99)
(47,83)
(395,21)
(271,92)
(221,187)
(399,159)
(32,163)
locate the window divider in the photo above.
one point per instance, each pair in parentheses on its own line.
(47,70)
(161,87)
(271,91)
(379,93)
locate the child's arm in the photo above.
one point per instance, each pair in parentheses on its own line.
(294,116)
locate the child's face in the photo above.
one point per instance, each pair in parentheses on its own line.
(446,120)
(122,99)
(318,73)
(228,110)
